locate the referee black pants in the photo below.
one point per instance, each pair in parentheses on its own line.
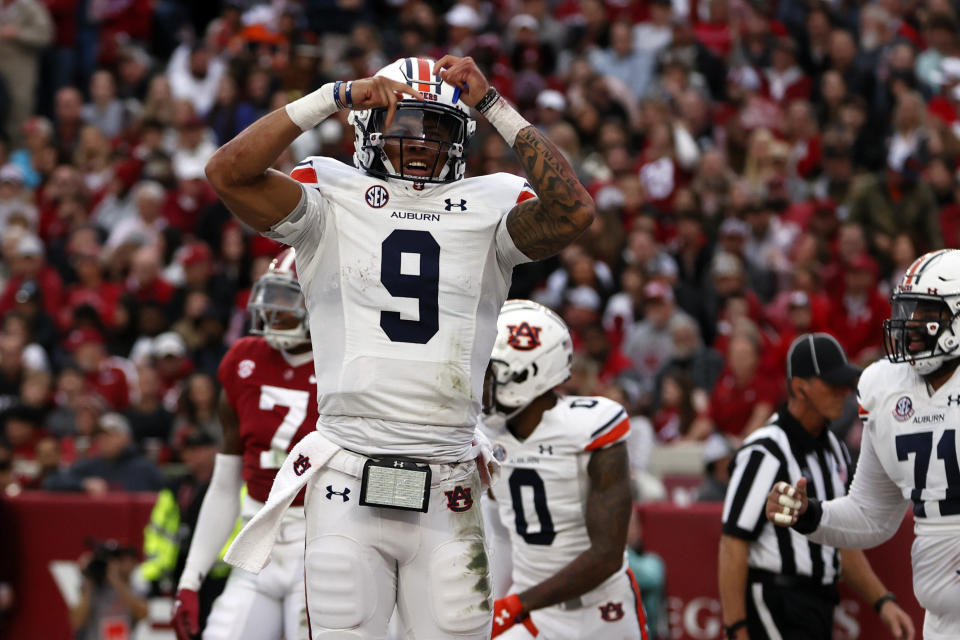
(779,612)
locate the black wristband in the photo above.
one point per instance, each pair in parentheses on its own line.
(731,629)
(885,598)
(810,520)
(487,100)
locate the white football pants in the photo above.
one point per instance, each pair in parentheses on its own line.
(268,605)
(362,561)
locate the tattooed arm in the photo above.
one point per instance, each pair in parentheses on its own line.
(563,209)
(608,513)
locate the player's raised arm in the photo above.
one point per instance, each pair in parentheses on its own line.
(563,209)
(240,170)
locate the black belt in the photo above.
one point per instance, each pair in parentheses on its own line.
(804,584)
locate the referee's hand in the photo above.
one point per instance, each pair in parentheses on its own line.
(787,502)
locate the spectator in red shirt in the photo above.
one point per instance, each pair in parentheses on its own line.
(91,289)
(28,263)
(22,430)
(784,80)
(745,396)
(170,357)
(857,316)
(598,346)
(109,377)
(145,283)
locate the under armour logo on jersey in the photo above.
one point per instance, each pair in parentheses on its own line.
(343,494)
(450,205)
(460,499)
(612,611)
(951,400)
(301,464)
(398,463)
(523,337)
(377,196)
(546,449)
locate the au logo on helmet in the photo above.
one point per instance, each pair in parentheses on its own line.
(523,336)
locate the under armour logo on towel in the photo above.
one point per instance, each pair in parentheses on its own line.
(343,494)
(301,464)
(450,205)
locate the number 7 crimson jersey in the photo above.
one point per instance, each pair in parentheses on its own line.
(543,486)
(275,397)
(403,287)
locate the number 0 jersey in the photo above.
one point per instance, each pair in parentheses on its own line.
(914,435)
(403,287)
(274,395)
(543,487)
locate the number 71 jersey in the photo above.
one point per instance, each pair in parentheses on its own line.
(914,435)
(275,397)
(403,287)
(544,484)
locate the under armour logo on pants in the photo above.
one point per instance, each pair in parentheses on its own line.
(343,494)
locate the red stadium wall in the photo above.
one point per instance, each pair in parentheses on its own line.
(50,527)
(55,526)
(687,539)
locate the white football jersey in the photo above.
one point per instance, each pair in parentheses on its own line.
(914,435)
(543,486)
(403,287)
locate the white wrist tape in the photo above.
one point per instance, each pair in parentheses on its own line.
(218,515)
(506,120)
(313,108)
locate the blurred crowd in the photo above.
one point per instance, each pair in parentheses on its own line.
(761,168)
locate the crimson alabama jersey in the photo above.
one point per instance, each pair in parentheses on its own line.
(403,285)
(275,396)
(543,488)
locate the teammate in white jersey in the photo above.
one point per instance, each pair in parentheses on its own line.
(565,491)
(404,264)
(910,406)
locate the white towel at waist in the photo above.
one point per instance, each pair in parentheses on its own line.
(252,546)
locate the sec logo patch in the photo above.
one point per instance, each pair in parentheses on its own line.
(245,368)
(377,196)
(903,409)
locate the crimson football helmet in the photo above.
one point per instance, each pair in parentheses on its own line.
(277,308)
(440,125)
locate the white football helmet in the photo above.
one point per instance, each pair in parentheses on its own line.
(441,123)
(924,325)
(275,301)
(532,354)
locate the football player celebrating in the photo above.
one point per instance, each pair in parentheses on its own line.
(268,403)
(909,453)
(404,265)
(565,492)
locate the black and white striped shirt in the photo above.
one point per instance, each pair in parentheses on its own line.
(784,450)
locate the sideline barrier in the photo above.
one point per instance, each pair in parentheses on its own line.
(687,539)
(51,527)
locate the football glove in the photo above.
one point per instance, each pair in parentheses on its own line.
(508,612)
(186,614)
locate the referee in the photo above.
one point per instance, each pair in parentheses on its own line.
(774,583)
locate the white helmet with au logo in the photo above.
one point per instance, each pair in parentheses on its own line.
(277,308)
(924,325)
(431,135)
(532,355)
